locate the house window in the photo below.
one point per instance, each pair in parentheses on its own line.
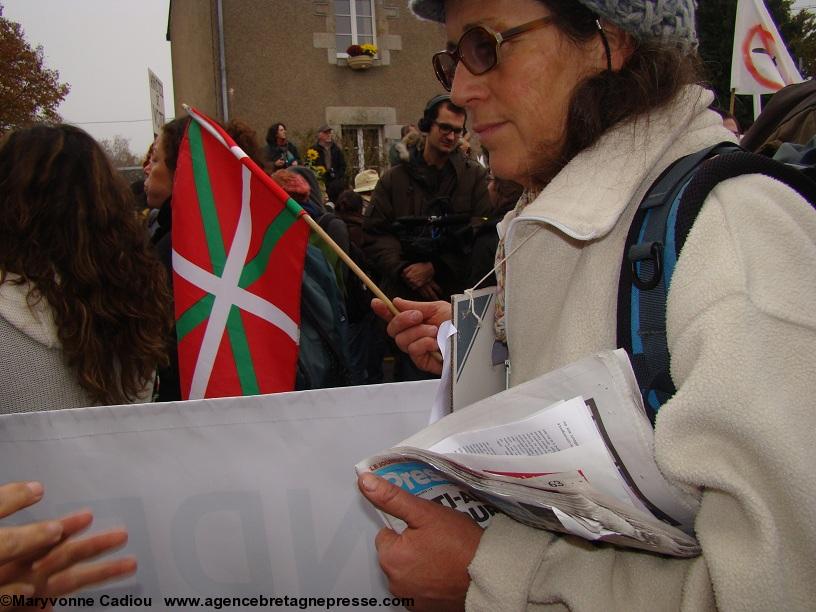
(363,146)
(353,24)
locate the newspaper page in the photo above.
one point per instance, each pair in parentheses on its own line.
(420,479)
(560,438)
(555,467)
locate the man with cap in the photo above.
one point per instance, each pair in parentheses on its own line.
(331,157)
(428,260)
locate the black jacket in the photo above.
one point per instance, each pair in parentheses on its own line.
(338,161)
(414,189)
(288,153)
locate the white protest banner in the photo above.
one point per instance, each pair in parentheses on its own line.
(232,497)
(760,63)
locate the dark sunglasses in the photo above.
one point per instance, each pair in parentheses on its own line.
(478,50)
(447,128)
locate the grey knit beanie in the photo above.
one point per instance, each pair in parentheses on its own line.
(670,20)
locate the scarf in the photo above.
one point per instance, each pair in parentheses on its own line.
(501,267)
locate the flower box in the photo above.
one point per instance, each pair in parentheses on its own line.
(360,62)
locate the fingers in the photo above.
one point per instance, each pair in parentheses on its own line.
(76,522)
(430,312)
(393,500)
(82,576)
(420,350)
(381,310)
(426,359)
(404,321)
(63,565)
(406,336)
(434,313)
(17,542)
(418,275)
(72,552)
(15,496)
(426,308)
(41,543)
(408,276)
(429,364)
(385,539)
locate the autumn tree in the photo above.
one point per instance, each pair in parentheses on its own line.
(118,150)
(804,47)
(29,91)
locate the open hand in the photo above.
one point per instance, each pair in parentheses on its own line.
(44,559)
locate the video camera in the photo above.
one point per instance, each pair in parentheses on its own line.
(424,238)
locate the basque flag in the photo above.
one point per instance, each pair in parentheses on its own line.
(238,253)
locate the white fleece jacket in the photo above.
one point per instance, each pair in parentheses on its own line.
(741,431)
(34,375)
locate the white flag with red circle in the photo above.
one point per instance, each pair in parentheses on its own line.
(760,62)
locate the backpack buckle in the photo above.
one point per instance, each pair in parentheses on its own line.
(647,252)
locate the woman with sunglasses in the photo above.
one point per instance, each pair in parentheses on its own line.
(585,103)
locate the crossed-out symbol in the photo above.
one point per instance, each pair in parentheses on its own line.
(768,47)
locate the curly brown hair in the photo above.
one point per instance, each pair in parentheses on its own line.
(172,134)
(246,138)
(68,227)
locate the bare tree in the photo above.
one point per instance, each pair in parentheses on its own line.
(118,150)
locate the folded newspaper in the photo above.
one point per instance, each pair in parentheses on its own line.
(571,451)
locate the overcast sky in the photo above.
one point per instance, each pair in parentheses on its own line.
(103,48)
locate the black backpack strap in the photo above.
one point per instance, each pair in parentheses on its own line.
(737,163)
(656,238)
(648,263)
(645,255)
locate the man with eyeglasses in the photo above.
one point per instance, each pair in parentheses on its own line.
(419,229)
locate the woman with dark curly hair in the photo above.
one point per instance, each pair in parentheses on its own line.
(84,304)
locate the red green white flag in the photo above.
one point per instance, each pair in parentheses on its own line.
(238,254)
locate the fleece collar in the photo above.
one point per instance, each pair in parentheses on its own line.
(35,321)
(589,195)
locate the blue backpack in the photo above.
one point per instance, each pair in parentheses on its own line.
(655,241)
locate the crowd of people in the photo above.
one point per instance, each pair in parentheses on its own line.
(581,105)
(413,230)
(86,289)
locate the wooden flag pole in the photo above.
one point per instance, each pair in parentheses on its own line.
(356,269)
(731,103)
